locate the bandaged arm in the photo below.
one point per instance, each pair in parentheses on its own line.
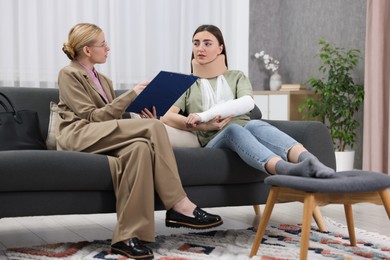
(233,108)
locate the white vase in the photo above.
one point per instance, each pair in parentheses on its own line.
(344,160)
(275,81)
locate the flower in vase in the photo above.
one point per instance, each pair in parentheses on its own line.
(269,62)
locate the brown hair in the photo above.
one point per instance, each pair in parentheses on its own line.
(214,30)
(82,34)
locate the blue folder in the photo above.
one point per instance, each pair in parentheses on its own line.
(162,92)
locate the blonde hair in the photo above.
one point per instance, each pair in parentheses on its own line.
(82,34)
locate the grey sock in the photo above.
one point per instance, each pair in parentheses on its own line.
(303,168)
(304,155)
(321,170)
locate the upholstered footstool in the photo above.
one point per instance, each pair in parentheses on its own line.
(347,188)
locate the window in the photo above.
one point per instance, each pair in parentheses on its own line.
(145,36)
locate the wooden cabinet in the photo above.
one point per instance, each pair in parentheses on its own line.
(281,105)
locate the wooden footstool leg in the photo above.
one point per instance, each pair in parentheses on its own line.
(319,219)
(385,200)
(350,223)
(308,207)
(273,194)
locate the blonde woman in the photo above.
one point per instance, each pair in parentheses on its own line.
(140,156)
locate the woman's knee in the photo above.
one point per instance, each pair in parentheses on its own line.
(231,132)
(135,150)
(232,129)
(256,123)
(142,147)
(156,125)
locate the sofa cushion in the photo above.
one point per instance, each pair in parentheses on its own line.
(45,170)
(214,166)
(177,137)
(181,138)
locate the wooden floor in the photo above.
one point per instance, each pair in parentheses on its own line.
(27,231)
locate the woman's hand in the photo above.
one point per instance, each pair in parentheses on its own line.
(193,123)
(217,123)
(140,87)
(192,120)
(146,113)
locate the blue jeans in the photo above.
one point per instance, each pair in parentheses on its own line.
(256,142)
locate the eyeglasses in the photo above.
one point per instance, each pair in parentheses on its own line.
(103,45)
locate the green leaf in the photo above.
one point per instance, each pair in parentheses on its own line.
(338,97)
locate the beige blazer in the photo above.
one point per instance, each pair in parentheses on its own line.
(85,118)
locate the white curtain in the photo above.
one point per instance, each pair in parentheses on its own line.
(145,36)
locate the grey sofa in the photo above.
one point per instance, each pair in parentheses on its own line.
(49,182)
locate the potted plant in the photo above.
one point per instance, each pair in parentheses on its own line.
(337,97)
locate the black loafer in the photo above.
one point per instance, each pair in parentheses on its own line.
(135,249)
(201,219)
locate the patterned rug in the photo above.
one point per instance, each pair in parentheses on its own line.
(280,242)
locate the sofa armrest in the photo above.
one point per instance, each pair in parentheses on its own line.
(314,135)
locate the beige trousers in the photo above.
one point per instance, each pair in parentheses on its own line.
(141,162)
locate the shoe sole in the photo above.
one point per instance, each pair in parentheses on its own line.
(178,224)
(124,253)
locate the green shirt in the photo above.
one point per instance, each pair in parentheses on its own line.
(191,100)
